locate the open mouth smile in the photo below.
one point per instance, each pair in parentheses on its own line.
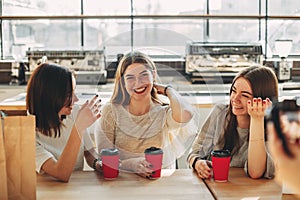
(140,90)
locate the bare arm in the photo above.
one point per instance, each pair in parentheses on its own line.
(181,110)
(63,167)
(257,154)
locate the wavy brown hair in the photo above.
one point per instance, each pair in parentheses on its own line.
(264,84)
(49,89)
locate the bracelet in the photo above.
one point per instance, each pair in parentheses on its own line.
(194,163)
(165,91)
(255,140)
(94,163)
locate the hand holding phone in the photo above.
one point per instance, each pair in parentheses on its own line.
(285,116)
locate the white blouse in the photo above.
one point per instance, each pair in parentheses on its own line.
(50,147)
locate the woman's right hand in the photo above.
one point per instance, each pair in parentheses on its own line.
(88,114)
(203,168)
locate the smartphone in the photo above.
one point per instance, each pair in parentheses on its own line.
(288,110)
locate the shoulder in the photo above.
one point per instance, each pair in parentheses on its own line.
(112,110)
(221,107)
(161,108)
(111,107)
(106,107)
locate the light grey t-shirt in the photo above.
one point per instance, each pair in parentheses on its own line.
(50,147)
(210,134)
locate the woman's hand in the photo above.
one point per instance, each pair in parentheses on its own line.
(287,168)
(160,88)
(257,107)
(88,114)
(203,168)
(139,166)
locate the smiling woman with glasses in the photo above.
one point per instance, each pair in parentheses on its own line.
(137,118)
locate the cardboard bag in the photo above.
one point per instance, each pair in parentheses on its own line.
(18,137)
(3,180)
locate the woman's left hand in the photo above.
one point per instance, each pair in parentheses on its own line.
(257,107)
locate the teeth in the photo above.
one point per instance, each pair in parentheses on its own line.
(140,89)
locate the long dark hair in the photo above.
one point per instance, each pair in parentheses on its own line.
(264,84)
(49,89)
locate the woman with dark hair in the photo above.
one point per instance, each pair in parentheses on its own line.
(240,126)
(137,117)
(61,138)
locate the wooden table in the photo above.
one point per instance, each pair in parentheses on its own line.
(179,184)
(239,186)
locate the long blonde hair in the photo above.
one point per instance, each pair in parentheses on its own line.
(120,95)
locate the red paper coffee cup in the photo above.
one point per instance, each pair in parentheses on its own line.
(154,156)
(110,163)
(220,163)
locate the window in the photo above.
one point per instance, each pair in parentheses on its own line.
(162,25)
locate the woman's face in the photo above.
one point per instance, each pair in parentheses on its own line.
(66,110)
(138,80)
(241,93)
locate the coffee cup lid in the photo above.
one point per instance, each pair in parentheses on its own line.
(109,151)
(153,150)
(220,153)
